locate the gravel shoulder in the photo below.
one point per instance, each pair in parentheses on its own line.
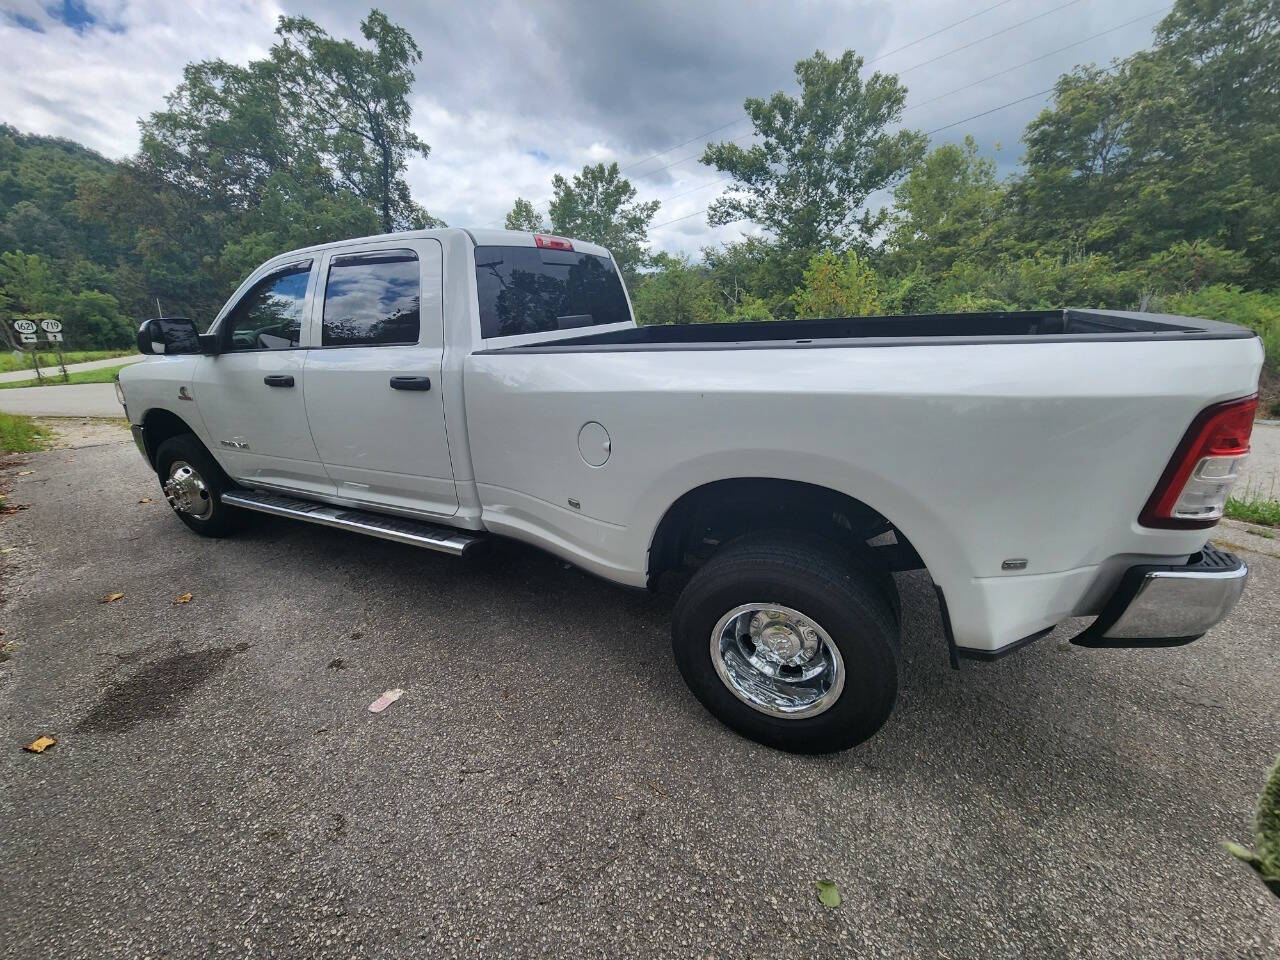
(547,787)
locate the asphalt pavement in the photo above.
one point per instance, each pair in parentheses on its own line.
(547,786)
(67,400)
(29,374)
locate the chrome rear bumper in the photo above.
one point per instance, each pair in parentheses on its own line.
(1168,605)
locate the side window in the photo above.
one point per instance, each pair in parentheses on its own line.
(269,316)
(372,298)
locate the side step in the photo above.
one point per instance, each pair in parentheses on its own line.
(413,532)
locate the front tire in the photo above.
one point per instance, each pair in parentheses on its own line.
(193,483)
(787,640)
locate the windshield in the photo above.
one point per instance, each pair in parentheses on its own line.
(533,290)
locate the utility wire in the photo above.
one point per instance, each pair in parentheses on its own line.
(1026,63)
(888,53)
(940,56)
(984,113)
(989,36)
(941,30)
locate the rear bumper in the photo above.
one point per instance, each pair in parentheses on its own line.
(1164,605)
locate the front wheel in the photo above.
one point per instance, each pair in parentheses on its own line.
(787,640)
(193,483)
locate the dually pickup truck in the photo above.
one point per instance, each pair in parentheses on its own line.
(444,387)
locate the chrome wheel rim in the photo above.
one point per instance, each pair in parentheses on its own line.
(187,492)
(777,660)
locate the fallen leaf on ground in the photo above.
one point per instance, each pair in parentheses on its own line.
(112,597)
(25,473)
(386,700)
(337,663)
(40,744)
(828,893)
(185,598)
(145,500)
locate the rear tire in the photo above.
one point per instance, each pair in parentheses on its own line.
(789,642)
(193,483)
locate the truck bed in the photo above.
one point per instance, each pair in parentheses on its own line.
(1062,326)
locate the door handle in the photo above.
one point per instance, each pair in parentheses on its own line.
(278,380)
(410,383)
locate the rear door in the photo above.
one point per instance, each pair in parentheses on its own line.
(250,395)
(373,392)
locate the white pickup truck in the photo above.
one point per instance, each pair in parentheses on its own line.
(442,387)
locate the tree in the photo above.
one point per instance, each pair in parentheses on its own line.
(948,208)
(26,286)
(307,145)
(677,292)
(820,157)
(1230,51)
(756,267)
(600,205)
(836,286)
(356,102)
(92,321)
(524,217)
(1172,144)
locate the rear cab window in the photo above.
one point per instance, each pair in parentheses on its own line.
(536,290)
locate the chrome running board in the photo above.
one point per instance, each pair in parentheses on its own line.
(413,532)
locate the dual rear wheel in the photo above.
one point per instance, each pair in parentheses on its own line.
(787,639)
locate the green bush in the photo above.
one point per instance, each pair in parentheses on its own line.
(1266,834)
(750,309)
(1256,309)
(1190,266)
(1044,283)
(677,292)
(836,286)
(92,321)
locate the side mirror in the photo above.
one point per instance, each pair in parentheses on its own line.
(170,335)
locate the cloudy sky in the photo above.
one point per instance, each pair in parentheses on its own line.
(510,93)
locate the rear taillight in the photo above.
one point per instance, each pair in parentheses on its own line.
(552,243)
(1193,490)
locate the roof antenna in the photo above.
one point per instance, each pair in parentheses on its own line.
(159,309)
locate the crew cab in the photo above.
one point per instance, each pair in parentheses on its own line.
(441,388)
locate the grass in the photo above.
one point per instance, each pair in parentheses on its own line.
(100,375)
(9,363)
(20,434)
(1255,509)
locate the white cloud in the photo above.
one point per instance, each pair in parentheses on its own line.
(510,92)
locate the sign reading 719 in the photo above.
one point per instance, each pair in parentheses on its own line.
(50,325)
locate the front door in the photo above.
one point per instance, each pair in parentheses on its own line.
(250,394)
(373,392)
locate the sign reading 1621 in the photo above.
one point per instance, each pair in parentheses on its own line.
(50,326)
(24,326)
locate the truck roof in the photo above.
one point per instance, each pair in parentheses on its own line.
(481,237)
